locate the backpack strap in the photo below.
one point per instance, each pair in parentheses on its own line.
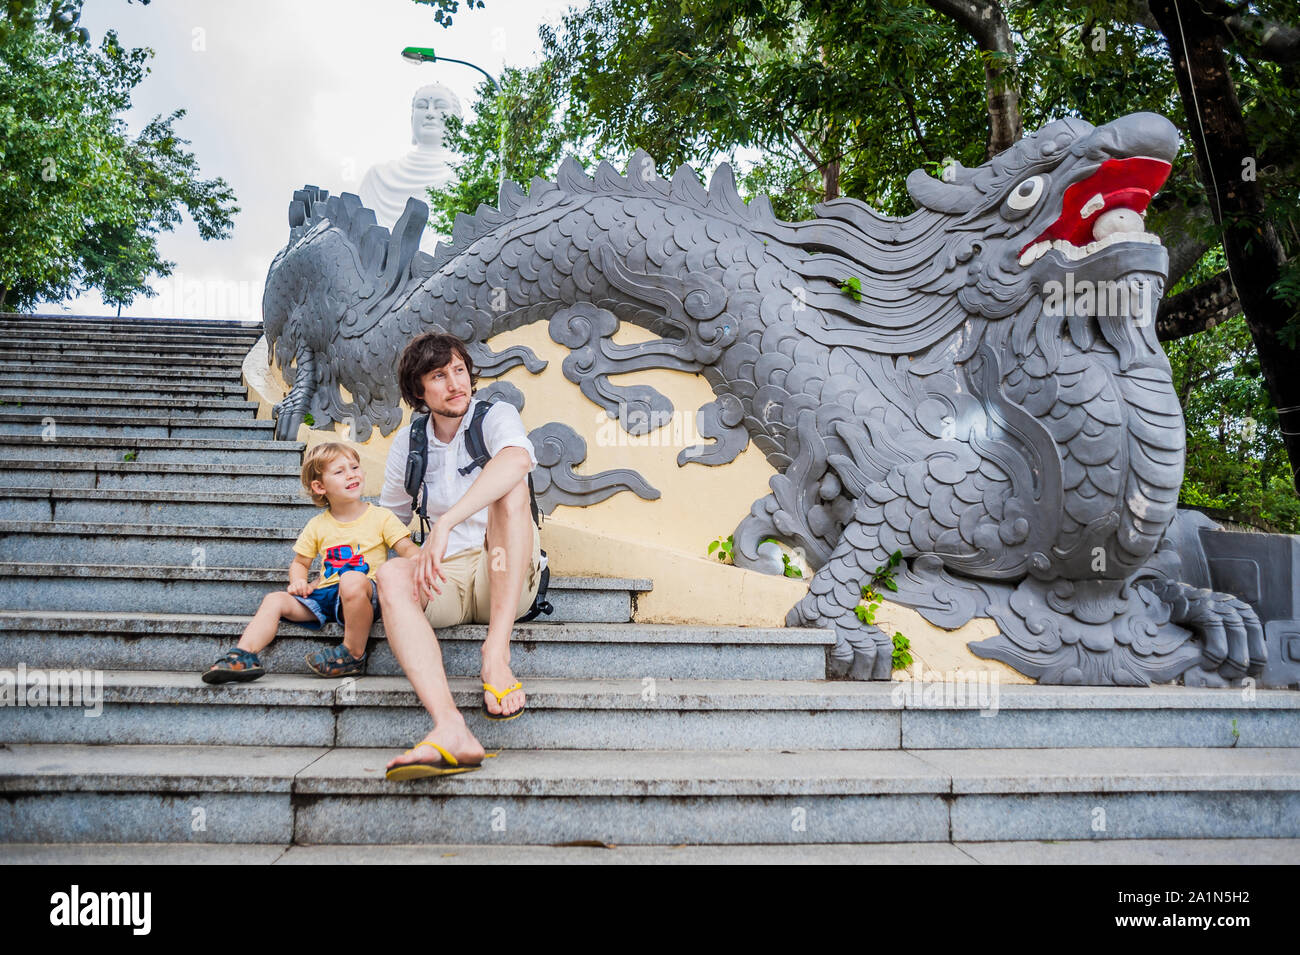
(540,603)
(532,501)
(417,462)
(477,449)
(474,439)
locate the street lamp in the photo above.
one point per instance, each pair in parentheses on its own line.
(425,54)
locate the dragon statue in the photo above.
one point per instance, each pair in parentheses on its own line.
(977,385)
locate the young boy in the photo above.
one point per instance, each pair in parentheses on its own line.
(352,538)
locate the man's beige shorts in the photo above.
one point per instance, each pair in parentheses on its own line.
(466,595)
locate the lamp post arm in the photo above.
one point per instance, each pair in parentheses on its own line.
(490,78)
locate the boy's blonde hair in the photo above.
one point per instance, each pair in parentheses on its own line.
(317,460)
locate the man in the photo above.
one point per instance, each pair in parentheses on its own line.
(481,561)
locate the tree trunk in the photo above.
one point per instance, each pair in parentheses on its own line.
(1250,242)
(1197,309)
(1003,102)
(986,22)
(831,180)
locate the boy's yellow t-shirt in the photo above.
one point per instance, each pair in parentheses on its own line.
(353,545)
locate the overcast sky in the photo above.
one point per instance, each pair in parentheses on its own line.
(280,93)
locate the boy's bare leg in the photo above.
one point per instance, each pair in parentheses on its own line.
(358,615)
(510,550)
(417,650)
(261,629)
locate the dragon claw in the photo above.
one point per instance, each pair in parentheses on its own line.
(1229,628)
(861,651)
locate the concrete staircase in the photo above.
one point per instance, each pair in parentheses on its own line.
(144,511)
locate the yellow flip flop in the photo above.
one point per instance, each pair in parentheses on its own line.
(446,766)
(496,717)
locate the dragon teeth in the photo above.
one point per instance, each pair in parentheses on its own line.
(1073,253)
(1095,204)
(1034,253)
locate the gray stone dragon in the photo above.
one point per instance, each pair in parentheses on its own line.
(977,385)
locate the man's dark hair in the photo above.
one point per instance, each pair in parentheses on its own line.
(424,354)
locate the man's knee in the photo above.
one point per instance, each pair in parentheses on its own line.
(394,577)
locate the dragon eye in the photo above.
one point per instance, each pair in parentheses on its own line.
(1026,194)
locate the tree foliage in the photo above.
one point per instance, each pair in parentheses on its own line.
(1236,463)
(82,200)
(520,130)
(443,10)
(838,97)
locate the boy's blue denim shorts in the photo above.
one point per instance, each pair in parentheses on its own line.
(327,605)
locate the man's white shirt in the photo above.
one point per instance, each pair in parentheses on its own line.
(444,484)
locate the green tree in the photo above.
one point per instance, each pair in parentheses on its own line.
(520,130)
(83,201)
(840,98)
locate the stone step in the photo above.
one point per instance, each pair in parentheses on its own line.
(190,642)
(114,348)
(1026,852)
(14,342)
(65,446)
(316,795)
(563,713)
(163,589)
(123,405)
(158,476)
(131,377)
(125,389)
(130,325)
(91,338)
(224,546)
(67,424)
(91,362)
(650,712)
(133,506)
(121,344)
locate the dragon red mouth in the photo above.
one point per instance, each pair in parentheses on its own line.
(1118,184)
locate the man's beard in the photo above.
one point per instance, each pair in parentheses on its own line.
(446,411)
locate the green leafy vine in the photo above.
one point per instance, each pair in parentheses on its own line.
(725,549)
(883,577)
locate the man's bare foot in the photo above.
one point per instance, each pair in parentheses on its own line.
(455,739)
(496,671)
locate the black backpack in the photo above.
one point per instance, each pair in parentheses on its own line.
(417,462)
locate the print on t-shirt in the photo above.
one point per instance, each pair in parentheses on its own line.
(344,557)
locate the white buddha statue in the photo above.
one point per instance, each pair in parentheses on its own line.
(386,186)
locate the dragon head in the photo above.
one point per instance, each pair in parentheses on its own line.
(1059,217)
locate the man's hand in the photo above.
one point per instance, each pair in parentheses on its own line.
(428,565)
(300,588)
